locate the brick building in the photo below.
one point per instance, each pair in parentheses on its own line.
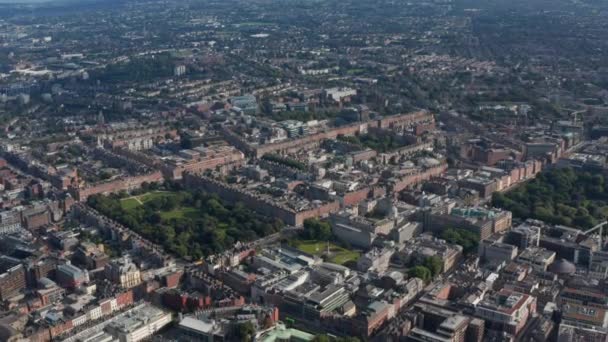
(12,277)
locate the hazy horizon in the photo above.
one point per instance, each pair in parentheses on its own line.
(23,1)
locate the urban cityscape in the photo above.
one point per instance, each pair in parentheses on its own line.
(304,170)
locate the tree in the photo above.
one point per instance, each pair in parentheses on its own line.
(316,229)
(584,221)
(434,264)
(468,240)
(103,175)
(544,213)
(559,196)
(420,272)
(245,332)
(206,225)
(285,161)
(155,218)
(169,203)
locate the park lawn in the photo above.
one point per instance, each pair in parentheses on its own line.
(180,213)
(129,203)
(154,195)
(312,247)
(318,248)
(344,256)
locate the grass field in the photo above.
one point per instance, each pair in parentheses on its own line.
(337,254)
(130,203)
(135,201)
(154,195)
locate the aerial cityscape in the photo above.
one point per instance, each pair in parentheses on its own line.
(304,170)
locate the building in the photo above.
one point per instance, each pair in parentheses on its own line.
(543,149)
(485,187)
(506,311)
(361,231)
(91,256)
(493,249)
(36,217)
(49,292)
(218,324)
(44,268)
(525,235)
(64,240)
(311,301)
(12,277)
(480,221)
(123,272)
(374,316)
(294,128)
(356,236)
(201,159)
(576,333)
(298,106)
(436,324)
(139,324)
(407,232)
(426,246)
(569,243)
(586,307)
(585,162)
(98,337)
(70,276)
(247,103)
(537,257)
(484,152)
(10,222)
(376,260)
(193,329)
(136,139)
(179,70)
(340,94)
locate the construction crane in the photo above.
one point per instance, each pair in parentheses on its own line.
(601,228)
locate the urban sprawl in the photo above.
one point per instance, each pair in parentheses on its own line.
(322,170)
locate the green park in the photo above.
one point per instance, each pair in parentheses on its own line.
(189,223)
